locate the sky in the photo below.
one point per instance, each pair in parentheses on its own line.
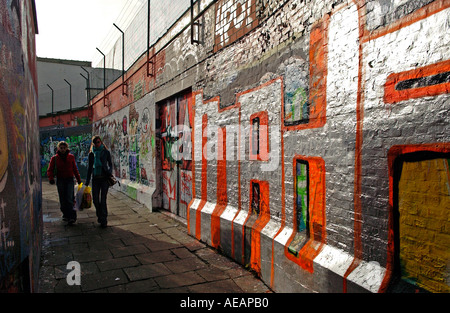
(72,29)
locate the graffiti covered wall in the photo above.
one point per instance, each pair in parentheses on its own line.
(20,182)
(79,140)
(130,136)
(320,140)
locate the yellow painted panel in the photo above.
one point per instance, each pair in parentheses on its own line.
(424,205)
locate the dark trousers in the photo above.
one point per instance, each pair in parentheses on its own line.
(66,197)
(100,188)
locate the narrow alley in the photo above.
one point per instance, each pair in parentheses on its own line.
(139,252)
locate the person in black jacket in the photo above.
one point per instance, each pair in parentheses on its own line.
(100,168)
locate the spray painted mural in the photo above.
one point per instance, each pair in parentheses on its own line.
(20,183)
(79,140)
(176,118)
(314,186)
(300,131)
(130,136)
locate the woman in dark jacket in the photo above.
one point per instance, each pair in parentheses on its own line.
(100,168)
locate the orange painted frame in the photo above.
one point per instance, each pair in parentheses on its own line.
(392,95)
(318,70)
(316,193)
(263,154)
(260,223)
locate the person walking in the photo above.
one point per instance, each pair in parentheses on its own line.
(100,168)
(66,168)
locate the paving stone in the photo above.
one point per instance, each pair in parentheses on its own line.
(222,286)
(212,274)
(124,262)
(251,285)
(148,285)
(103,280)
(156,257)
(147,271)
(129,250)
(183,253)
(92,255)
(179,280)
(185,265)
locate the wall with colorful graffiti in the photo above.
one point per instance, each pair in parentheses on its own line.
(332,171)
(176,116)
(20,182)
(130,136)
(320,140)
(79,140)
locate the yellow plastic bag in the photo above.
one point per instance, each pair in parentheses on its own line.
(87,198)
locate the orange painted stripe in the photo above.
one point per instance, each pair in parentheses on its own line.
(239,184)
(204,175)
(283,188)
(357,225)
(222,198)
(192,116)
(392,95)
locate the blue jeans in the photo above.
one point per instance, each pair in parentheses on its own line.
(100,188)
(66,197)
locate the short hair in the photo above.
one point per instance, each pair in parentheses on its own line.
(63,143)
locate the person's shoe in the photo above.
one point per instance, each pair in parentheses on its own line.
(103,224)
(72,221)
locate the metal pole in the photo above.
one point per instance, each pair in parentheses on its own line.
(70,94)
(192,21)
(148,38)
(52,97)
(123,58)
(88,84)
(87,87)
(104,76)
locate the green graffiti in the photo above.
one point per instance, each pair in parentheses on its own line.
(302,195)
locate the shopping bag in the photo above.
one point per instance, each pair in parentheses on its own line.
(87,198)
(79,197)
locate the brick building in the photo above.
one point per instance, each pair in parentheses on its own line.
(308,140)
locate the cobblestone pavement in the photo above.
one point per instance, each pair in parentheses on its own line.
(139,252)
